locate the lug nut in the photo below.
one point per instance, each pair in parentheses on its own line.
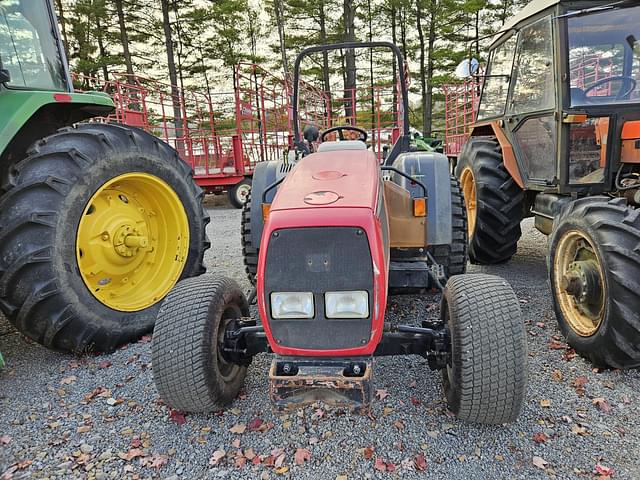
(357,369)
(286,368)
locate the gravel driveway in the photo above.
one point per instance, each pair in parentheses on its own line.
(100,417)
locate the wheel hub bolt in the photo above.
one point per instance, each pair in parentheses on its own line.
(286,368)
(357,369)
(572,284)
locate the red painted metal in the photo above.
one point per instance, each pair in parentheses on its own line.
(461,108)
(354,177)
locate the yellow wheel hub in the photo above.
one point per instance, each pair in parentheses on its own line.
(132,242)
(579,283)
(468,184)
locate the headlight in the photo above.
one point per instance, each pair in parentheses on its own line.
(292,305)
(346,304)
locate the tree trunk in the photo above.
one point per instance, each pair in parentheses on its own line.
(279,14)
(350,59)
(325,55)
(101,49)
(428,118)
(63,26)
(423,73)
(173,76)
(124,39)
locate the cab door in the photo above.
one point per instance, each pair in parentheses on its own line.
(531,107)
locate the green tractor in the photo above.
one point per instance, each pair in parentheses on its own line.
(98,221)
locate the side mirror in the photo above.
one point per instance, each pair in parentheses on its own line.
(5,76)
(467,68)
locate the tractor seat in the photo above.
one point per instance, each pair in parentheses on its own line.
(344,145)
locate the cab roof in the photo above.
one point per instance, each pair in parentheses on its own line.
(535,7)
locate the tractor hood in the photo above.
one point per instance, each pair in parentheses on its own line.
(333,179)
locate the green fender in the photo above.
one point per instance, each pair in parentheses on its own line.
(18,106)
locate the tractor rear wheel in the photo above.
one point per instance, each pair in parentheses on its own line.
(594,271)
(239,193)
(189,368)
(249,251)
(454,257)
(493,200)
(98,224)
(486,378)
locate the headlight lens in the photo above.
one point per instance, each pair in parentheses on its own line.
(346,304)
(292,305)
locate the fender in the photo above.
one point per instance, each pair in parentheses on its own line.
(264,174)
(432,169)
(508,157)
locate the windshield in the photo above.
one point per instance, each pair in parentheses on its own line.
(28,47)
(604,57)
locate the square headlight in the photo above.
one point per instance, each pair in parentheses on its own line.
(346,304)
(292,305)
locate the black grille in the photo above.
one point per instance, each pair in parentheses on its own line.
(319,260)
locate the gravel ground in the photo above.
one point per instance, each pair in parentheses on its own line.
(100,417)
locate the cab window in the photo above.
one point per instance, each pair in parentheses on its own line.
(496,82)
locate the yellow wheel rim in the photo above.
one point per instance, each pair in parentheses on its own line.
(468,184)
(579,283)
(132,242)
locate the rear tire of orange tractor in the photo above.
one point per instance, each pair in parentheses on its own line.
(96,226)
(493,200)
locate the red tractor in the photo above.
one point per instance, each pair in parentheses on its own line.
(333,233)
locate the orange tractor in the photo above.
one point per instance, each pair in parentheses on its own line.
(556,136)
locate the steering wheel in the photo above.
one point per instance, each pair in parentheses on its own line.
(621,94)
(340,130)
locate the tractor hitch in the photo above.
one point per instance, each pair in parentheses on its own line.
(340,383)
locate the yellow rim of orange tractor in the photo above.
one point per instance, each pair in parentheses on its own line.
(468,184)
(582,309)
(132,241)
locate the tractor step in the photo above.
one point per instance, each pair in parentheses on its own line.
(295,383)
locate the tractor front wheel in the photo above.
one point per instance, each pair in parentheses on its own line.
(594,272)
(189,368)
(492,199)
(486,377)
(98,224)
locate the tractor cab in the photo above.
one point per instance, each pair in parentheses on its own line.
(31,57)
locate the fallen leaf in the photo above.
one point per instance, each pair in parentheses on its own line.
(282,470)
(603,470)
(82,429)
(68,380)
(380,465)
(569,355)
(413,384)
(240,461)
(579,383)
(399,425)
(104,364)
(415,401)
(601,404)
(557,376)
(279,461)
(556,345)
(5,439)
(154,461)
(131,454)
(249,454)
(145,339)
(301,456)
(381,394)
(254,424)
(578,429)
(367,453)
(177,416)
(540,462)
(238,428)
(217,457)
(540,437)
(545,403)
(236,443)
(420,462)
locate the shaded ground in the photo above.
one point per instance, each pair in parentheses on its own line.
(100,417)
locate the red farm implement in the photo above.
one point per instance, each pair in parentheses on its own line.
(222,135)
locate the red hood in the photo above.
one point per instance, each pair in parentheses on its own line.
(348,178)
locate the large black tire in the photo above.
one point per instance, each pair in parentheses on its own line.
(249,250)
(41,289)
(487,377)
(239,193)
(499,202)
(188,369)
(613,229)
(454,257)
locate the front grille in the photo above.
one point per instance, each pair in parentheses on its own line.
(319,260)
